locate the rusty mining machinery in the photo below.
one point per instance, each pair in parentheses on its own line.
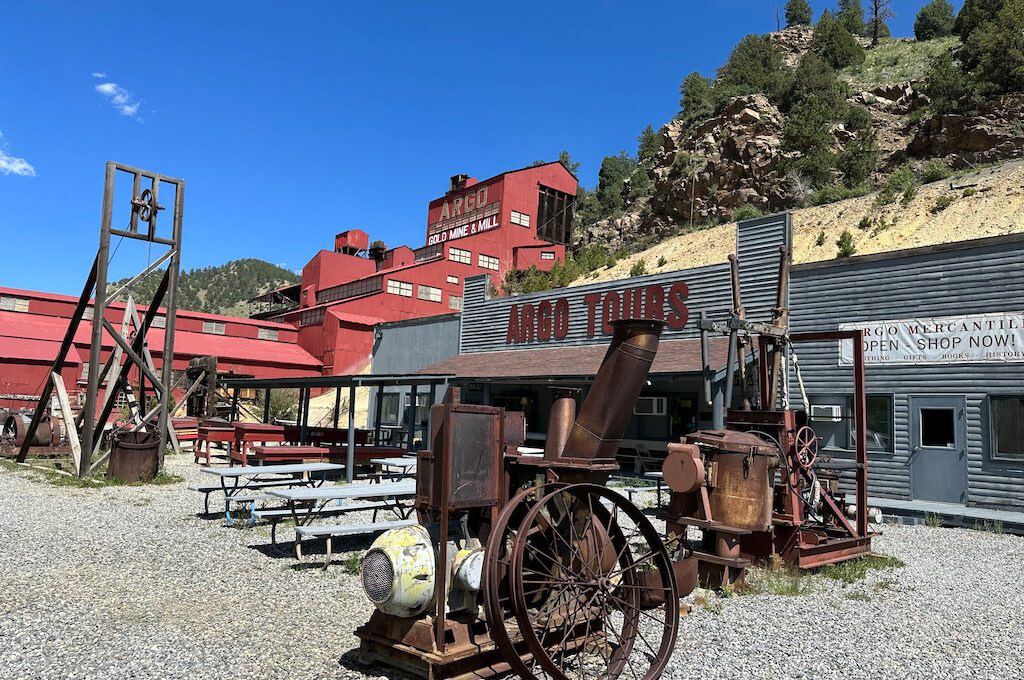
(530,564)
(758,490)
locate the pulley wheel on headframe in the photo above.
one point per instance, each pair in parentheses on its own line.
(592,588)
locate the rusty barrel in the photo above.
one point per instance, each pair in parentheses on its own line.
(134,456)
(608,408)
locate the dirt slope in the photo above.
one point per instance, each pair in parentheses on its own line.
(992,207)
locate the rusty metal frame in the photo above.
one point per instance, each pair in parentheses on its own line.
(145,208)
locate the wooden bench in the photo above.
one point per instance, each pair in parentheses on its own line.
(331,530)
(277,454)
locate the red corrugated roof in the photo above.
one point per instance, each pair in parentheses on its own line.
(187,313)
(360,319)
(28,349)
(36,327)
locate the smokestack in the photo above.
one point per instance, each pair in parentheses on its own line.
(605,414)
(560,421)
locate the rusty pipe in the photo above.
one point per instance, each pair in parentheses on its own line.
(608,408)
(560,420)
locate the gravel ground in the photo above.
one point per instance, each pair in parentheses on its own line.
(127,582)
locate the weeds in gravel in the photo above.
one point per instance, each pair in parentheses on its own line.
(852,571)
(858,596)
(775,580)
(352,563)
(710,604)
(989,526)
(934,520)
(100,480)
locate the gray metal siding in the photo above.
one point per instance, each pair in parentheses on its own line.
(485,321)
(407,346)
(758,242)
(972,280)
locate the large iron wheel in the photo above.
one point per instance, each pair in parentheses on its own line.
(605,602)
(497,594)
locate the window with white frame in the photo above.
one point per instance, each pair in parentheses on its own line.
(460,255)
(267,334)
(13,304)
(488,262)
(547,255)
(429,293)
(454,280)
(213,327)
(455,302)
(159,321)
(402,288)
(522,219)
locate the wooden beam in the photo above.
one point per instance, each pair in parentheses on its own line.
(69,420)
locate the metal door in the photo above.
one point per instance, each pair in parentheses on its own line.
(938,449)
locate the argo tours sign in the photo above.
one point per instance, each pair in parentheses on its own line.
(978,338)
(550,319)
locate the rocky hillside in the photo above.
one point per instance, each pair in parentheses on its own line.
(977,204)
(751,156)
(219,290)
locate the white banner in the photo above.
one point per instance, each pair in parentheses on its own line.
(972,339)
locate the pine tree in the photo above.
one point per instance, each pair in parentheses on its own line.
(647,146)
(798,13)
(935,20)
(851,15)
(833,43)
(696,100)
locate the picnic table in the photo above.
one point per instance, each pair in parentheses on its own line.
(247,434)
(394,469)
(212,434)
(659,477)
(294,454)
(307,504)
(258,477)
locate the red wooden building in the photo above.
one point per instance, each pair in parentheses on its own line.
(514,220)
(32,325)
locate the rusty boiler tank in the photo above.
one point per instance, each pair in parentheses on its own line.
(722,483)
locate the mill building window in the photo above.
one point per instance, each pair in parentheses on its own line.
(1008,427)
(13,304)
(460,255)
(312,317)
(429,293)
(213,327)
(403,288)
(522,219)
(454,280)
(455,302)
(488,262)
(267,334)
(547,255)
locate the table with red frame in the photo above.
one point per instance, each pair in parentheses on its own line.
(248,434)
(212,434)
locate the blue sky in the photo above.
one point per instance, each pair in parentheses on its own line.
(293,121)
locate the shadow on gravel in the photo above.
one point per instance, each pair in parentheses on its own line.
(313,547)
(350,661)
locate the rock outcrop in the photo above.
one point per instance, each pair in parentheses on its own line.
(994,133)
(730,160)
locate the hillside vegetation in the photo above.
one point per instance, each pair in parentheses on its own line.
(829,109)
(224,289)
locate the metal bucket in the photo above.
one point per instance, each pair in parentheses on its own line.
(134,456)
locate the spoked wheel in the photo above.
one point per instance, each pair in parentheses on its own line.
(497,592)
(605,603)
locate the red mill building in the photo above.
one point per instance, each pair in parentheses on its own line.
(514,220)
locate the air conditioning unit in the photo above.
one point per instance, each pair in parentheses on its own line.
(827,412)
(650,406)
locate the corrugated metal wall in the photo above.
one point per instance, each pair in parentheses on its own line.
(485,322)
(407,346)
(957,281)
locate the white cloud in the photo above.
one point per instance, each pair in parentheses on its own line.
(99,74)
(12,165)
(120,98)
